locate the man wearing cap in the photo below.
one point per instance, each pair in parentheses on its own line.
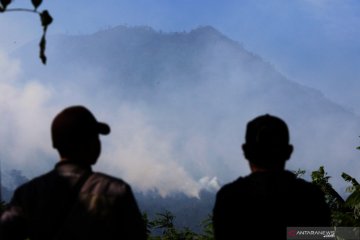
(263,204)
(72,201)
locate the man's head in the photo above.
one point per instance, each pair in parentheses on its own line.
(75,134)
(267,142)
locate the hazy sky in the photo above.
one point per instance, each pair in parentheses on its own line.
(314,42)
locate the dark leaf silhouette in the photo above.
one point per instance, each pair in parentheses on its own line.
(36,3)
(46,19)
(5,3)
(42,46)
(350,179)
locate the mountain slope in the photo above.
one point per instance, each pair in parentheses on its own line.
(178,104)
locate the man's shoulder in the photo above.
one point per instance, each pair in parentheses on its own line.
(29,191)
(107,184)
(299,183)
(307,187)
(234,187)
(99,176)
(286,180)
(35,182)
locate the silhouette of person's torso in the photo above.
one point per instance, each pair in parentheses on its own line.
(263,204)
(72,202)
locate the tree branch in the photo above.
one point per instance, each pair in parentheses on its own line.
(22,10)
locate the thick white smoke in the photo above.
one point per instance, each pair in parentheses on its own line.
(145,156)
(25,115)
(135,150)
(184,134)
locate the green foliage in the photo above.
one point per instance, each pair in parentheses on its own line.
(165,223)
(208,229)
(299,173)
(353,201)
(147,223)
(343,212)
(45,19)
(332,197)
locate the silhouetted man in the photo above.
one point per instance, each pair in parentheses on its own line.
(72,201)
(263,204)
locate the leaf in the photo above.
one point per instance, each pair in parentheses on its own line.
(42,46)
(299,173)
(46,19)
(36,3)
(5,3)
(353,200)
(349,178)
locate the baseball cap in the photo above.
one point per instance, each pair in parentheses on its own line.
(75,124)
